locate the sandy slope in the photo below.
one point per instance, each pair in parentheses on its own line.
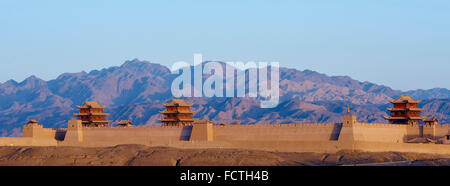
(142,155)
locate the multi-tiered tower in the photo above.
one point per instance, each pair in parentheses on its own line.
(91,114)
(405,111)
(177,113)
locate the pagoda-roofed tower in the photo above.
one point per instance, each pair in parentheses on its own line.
(178,113)
(91,114)
(405,111)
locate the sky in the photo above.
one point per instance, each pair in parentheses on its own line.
(404,44)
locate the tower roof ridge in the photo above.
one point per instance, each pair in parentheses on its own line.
(178,102)
(405,99)
(91,104)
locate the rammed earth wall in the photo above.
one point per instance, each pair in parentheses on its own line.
(327,137)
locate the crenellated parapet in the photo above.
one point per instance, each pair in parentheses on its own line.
(299,125)
(327,137)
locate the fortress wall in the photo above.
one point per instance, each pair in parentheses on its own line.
(203,131)
(429,131)
(26,141)
(414,131)
(38,136)
(436,132)
(103,136)
(38,132)
(15,141)
(279,137)
(283,132)
(399,147)
(353,130)
(441,130)
(396,133)
(45,133)
(288,146)
(60,134)
(335,146)
(282,146)
(377,132)
(352,135)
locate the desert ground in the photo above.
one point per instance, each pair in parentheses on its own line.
(140,155)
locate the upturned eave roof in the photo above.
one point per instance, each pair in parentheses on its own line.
(405,109)
(91,104)
(405,99)
(178,102)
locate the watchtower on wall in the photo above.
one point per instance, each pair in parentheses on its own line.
(178,113)
(430,120)
(405,111)
(31,129)
(91,114)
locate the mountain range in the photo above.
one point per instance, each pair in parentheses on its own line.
(137,89)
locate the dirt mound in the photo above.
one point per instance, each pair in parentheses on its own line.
(139,155)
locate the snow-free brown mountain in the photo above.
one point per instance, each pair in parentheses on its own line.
(136,91)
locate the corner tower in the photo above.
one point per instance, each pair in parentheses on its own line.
(91,114)
(177,113)
(405,111)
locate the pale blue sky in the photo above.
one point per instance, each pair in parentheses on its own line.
(401,44)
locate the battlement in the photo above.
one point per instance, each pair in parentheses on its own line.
(380,125)
(440,126)
(130,127)
(300,125)
(202,134)
(349,130)
(38,131)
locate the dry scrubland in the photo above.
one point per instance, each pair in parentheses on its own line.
(140,155)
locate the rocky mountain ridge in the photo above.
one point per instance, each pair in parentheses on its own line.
(136,90)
